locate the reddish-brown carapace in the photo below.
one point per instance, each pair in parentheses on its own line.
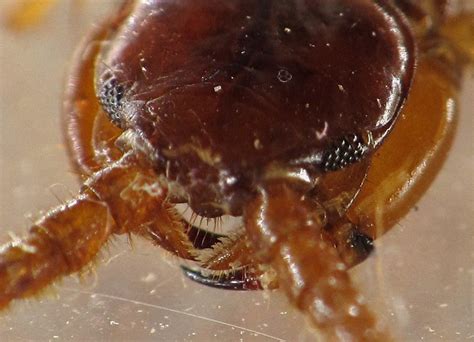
(319,122)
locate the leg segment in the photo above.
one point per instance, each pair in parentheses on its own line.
(168,231)
(137,202)
(123,198)
(89,134)
(286,233)
(61,243)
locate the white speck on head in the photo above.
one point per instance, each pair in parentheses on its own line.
(287,30)
(341,87)
(284,76)
(217,89)
(257,144)
(323,133)
(231,180)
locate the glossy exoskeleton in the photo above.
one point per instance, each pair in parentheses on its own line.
(287,113)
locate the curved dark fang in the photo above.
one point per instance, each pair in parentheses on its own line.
(237,280)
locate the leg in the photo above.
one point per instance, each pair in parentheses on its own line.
(90,136)
(61,243)
(286,233)
(137,203)
(168,231)
(123,198)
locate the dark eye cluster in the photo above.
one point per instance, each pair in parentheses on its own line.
(110,97)
(343,152)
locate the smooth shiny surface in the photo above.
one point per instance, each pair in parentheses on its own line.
(224,89)
(422,270)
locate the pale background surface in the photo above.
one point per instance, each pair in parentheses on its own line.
(421,278)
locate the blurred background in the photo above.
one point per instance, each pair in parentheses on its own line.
(419,281)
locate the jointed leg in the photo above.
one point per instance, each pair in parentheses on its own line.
(286,232)
(168,231)
(61,243)
(123,198)
(84,121)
